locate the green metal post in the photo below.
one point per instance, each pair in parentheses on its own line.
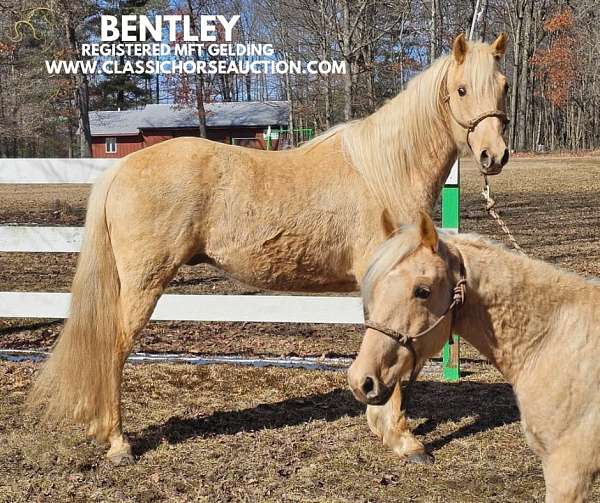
(451,222)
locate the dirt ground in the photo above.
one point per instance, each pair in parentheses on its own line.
(244,434)
(226,433)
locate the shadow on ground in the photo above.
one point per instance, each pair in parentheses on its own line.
(492,405)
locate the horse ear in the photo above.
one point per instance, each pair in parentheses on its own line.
(427,232)
(460,48)
(499,45)
(388,225)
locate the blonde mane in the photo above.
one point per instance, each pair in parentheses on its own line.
(391,148)
(388,254)
(479,70)
(326,135)
(388,147)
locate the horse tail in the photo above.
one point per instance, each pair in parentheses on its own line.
(77,381)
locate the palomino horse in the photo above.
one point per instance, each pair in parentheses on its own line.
(301,220)
(538,325)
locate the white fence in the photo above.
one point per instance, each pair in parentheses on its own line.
(48,171)
(256,308)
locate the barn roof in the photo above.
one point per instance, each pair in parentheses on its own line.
(221,114)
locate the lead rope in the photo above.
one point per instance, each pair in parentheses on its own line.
(489,207)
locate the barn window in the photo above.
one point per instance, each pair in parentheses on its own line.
(111,145)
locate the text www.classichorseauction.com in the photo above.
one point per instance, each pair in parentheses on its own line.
(177,50)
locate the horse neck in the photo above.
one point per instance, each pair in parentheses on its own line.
(405,150)
(511,304)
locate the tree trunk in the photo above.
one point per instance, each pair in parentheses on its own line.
(433,31)
(328,119)
(370,77)
(288,92)
(80,94)
(248,82)
(523,78)
(3,147)
(348,87)
(199,83)
(325,40)
(514,96)
(482,20)
(70,146)
(121,91)
(157,88)
(225,87)
(200,105)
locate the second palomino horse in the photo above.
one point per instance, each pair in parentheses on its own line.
(538,325)
(300,220)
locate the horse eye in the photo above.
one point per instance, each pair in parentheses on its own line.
(462,91)
(422,292)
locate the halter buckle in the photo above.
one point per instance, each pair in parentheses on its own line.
(459,292)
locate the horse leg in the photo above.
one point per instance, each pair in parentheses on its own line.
(568,474)
(390,424)
(141,287)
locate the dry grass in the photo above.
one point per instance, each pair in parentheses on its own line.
(551,205)
(223,433)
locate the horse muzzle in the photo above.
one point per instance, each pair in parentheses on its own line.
(490,164)
(370,390)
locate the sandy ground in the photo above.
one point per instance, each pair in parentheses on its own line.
(224,433)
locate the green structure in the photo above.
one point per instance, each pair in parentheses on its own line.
(300,136)
(451,222)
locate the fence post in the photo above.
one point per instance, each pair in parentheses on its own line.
(451,222)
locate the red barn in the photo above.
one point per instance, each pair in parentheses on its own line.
(116,134)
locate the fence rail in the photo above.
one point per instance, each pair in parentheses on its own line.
(52,171)
(249,308)
(38,239)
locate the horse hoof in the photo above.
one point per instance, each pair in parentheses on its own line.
(421,458)
(121,458)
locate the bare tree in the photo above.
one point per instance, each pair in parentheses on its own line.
(552,64)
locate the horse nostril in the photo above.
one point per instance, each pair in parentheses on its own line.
(368,386)
(505,157)
(485,159)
